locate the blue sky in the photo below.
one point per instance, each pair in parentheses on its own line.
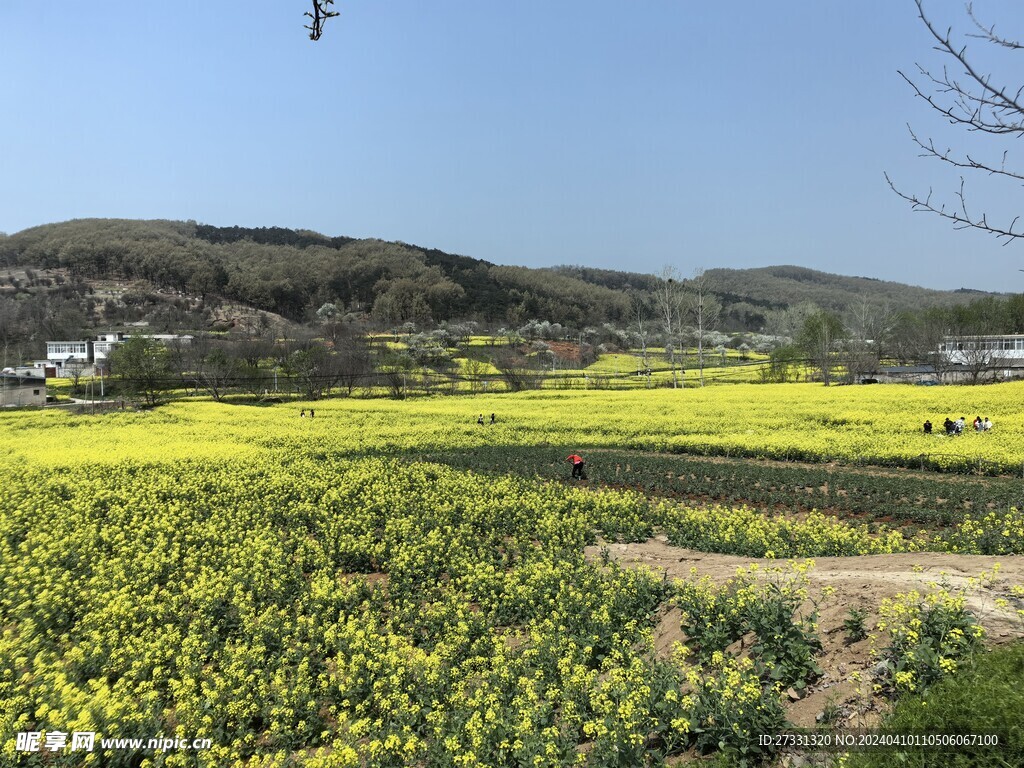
(617,134)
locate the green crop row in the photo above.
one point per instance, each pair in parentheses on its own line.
(899,496)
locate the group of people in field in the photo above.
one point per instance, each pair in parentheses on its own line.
(956,427)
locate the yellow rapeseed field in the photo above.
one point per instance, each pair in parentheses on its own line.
(305,592)
(873,424)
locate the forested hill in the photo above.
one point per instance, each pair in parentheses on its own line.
(293,272)
(754,290)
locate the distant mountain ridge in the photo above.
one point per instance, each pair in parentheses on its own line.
(293,272)
(791,285)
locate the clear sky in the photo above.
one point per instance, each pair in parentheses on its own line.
(624,134)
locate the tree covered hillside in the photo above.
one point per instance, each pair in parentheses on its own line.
(778,287)
(294,272)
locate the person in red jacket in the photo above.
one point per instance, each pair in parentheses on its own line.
(578,472)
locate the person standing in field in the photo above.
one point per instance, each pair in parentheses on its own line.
(987,424)
(578,470)
(480,420)
(492,418)
(927,427)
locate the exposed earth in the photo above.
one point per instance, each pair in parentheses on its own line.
(859,582)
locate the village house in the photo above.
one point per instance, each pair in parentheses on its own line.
(22,387)
(90,355)
(974,357)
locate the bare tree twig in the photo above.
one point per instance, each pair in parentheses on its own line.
(319,17)
(992,97)
(961,218)
(973,101)
(928,149)
(989,33)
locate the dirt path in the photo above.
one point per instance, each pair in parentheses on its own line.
(859,582)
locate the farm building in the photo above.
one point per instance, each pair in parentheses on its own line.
(96,352)
(973,357)
(997,351)
(902,374)
(22,388)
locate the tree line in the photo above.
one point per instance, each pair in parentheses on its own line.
(866,337)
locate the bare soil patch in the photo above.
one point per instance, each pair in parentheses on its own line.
(859,582)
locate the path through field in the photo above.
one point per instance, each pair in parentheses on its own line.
(859,582)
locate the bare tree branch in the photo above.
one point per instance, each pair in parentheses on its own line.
(961,219)
(967,108)
(319,17)
(928,149)
(989,33)
(970,100)
(988,106)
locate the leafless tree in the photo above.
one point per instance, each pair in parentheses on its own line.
(975,355)
(253,351)
(315,368)
(788,322)
(74,369)
(868,325)
(517,374)
(475,370)
(868,322)
(975,101)
(638,308)
(395,382)
(670,299)
(703,310)
(970,346)
(913,338)
(355,363)
(819,339)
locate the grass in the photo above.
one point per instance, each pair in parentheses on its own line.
(986,697)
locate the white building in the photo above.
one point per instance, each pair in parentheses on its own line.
(22,387)
(965,349)
(105,344)
(96,352)
(59,352)
(985,356)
